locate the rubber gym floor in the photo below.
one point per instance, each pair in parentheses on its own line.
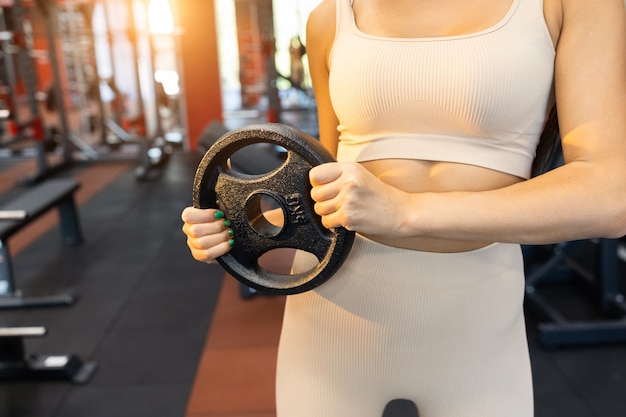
(172,337)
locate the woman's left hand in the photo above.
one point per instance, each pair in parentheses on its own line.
(348,195)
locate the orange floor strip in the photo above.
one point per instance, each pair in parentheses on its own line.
(235,377)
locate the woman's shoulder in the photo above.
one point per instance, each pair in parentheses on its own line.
(323,15)
(582,16)
(320,28)
(591,11)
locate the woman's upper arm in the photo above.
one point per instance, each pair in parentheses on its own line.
(591,82)
(320,36)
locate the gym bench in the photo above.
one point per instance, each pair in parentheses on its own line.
(16,364)
(18,213)
(601,282)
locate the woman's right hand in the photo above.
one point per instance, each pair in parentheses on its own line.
(209,235)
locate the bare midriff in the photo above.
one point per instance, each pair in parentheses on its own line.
(416,176)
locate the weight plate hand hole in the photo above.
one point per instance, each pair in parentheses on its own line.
(256,159)
(265,214)
(280,262)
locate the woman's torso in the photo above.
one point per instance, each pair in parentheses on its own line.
(430,19)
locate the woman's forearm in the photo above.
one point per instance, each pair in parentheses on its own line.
(572,202)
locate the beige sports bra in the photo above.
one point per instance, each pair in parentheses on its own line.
(480,99)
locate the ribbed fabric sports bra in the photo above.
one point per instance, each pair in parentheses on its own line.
(480,99)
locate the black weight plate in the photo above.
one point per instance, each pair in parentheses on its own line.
(289,188)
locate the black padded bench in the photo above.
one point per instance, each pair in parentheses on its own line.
(17,364)
(18,213)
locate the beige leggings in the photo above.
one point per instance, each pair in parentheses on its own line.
(445,331)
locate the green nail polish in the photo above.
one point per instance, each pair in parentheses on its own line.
(231,242)
(231,233)
(219,214)
(226,223)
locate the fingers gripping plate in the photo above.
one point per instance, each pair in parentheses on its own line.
(271,211)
